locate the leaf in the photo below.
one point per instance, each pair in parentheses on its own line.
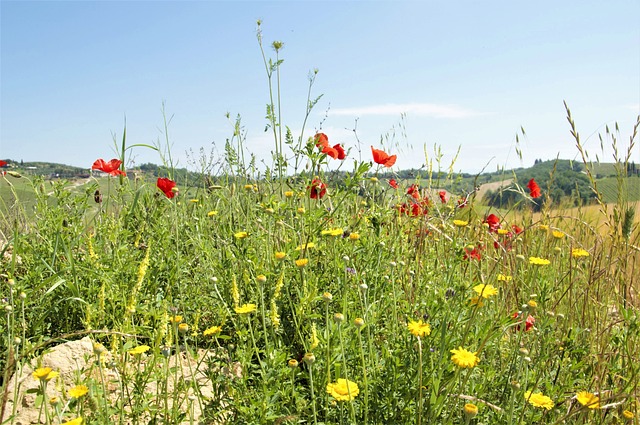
(54,286)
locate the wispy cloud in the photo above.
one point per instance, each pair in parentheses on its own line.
(421,109)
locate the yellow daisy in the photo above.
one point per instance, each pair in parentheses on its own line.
(539,261)
(579,252)
(539,400)
(78,391)
(464,358)
(213,330)
(343,389)
(588,399)
(419,328)
(485,290)
(139,350)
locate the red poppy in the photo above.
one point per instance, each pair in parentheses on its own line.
(317,189)
(414,191)
(528,324)
(321,140)
(341,153)
(393,183)
(382,158)
(443,196)
(2,163)
(516,229)
(462,202)
(335,152)
(112,167)
(493,221)
(534,189)
(167,186)
(472,254)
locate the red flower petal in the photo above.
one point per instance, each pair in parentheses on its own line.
(166,185)
(534,189)
(393,183)
(382,158)
(321,140)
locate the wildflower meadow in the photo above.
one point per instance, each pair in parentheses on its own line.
(299,294)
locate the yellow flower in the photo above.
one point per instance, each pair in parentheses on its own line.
(240,235)
(302,262)
(503,231)
(76,421)
(358,322)
(419,328)
(460,223)
(54,400)
(301,210)
(579,252)
(327,296)
(45,374)
(343,389)
(485,291)
(588,399)
(280,255)
(374,179)
(470,410)
(212,213)
(213,330)
(78,391)
(139,350)
(332,232)
(313,339)
(292,363)
(539,400)
(305,246)
(354,236)
(176,319)
(194,201)
(183,328)
(628,415)
(288,194)
(557,234)
(246,309)
(539,261)
(544,227)
(248,186)
(504,278)
(464,358)
(476,301)
(261,278)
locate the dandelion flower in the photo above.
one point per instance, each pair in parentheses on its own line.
(176,319)
(543,227)
(76,421)
(45,374)
(78,391)
(302,262)
(485,291)
(588,399)
(139,350)
(240,235)
(460,223)
(280,255)
(288,194)
(579,252)
(332,232)
(305,246)
(539,400)
(343,389)
(628,415)
(476,301)
(557,234)
(539,261)
(213,330)
(503,232)
(464,358)
(212,213)
(419,328)
(246,309)
(354,236)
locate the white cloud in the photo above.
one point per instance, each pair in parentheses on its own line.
(420,109)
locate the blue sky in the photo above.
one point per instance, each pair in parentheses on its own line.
(467,74)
